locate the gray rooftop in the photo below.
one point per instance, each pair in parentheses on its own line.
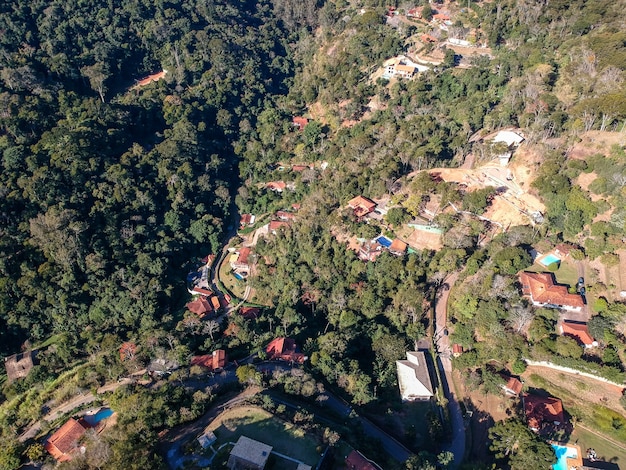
(251,451)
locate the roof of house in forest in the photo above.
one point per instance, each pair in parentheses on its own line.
(300,122)
(65,440)
(19,365)
(357,461)
(276,224)
(513,385)
(539,409)
(249,312)
(277,186)
(362,203)
(244,254)
(216,360)
(200,306)
(542,289)
(284,349)
(578,331)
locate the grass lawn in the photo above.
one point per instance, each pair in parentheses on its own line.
(606,451)
(262,426)
(566,274)
(234,285)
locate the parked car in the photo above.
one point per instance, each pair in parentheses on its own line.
(581,281)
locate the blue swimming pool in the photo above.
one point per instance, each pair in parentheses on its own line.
(101,415)
(238,276)
(562,454)
(384,241)
(549,259)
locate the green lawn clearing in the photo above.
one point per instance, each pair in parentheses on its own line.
(605,450)
(262,426)
(236,286)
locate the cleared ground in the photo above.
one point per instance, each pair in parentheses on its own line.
(262,426)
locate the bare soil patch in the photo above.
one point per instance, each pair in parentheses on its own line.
(582,390)
(420,239)
(594,142)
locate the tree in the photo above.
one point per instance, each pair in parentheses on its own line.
(427,12)
(97,75)
(513,441)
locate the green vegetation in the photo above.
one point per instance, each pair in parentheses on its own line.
(260,425)
(110,193)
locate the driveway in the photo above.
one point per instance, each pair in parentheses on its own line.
(442,342)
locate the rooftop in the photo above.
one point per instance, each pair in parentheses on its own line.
(251,451)
(65,440)
(542,289)
(414,377)
(542,409)
(578,331)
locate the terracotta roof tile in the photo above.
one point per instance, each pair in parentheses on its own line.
(542,289)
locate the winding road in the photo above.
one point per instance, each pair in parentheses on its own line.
(443,349)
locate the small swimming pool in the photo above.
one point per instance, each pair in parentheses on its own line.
(101,415)
(384,241)
(562,454)
(238,276)
(549,259)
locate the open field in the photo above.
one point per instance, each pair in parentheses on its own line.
(262,426)
(606,450)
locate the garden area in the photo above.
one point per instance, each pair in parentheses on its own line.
(260,425)
(227,277)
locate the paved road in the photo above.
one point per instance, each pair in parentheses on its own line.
(457,446)
(342,408)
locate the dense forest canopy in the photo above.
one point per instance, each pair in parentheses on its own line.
(112,189)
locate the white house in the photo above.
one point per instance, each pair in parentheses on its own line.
(414,377)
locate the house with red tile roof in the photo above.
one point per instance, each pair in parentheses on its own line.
(275,225)
(65,441)
(441,17)
(414,12)
(246,220)
(276,186)
(544,292)
(300,168)
(215,303)
(284,349)
(127,351)
(200,307)
(542,410)
(241,259)
(357,461)
(299,122)
(457,350)
(512,386)
(579,332)
(397,247)
(215,361)
(249,312)
(361,206)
